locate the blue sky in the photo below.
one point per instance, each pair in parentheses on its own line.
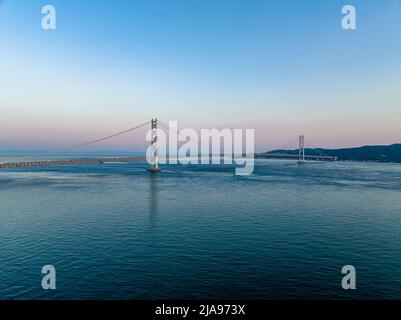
(280,67)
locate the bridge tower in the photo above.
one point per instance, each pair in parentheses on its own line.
(154,166)
(301,148)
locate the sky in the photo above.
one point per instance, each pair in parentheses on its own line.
(282,67)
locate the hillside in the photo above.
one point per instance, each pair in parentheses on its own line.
(390,153)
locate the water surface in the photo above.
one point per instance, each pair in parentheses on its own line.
(114,231)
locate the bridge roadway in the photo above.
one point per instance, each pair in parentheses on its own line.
(46,163)
(294,156)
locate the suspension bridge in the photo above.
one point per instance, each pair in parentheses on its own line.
(155,124)
(301,156)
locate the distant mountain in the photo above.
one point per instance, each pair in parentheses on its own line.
(390,153)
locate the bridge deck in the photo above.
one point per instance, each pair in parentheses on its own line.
(47,163)
(67,162)
(295,156)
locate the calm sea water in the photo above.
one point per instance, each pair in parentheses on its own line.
(114,231)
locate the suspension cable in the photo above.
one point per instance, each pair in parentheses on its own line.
(105,138)
(167,127)
(308,141)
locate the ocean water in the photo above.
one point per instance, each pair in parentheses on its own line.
(115,231)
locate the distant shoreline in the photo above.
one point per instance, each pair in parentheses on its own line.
(386,153)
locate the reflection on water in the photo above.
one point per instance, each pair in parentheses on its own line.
(154,198)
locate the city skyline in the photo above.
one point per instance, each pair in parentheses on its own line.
(279,69)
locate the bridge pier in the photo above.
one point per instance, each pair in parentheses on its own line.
(154,165)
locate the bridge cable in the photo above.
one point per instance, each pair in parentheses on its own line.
(167,127)
(285,147)
(104,138)
(320,150)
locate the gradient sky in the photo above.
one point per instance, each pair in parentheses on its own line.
(281,67)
